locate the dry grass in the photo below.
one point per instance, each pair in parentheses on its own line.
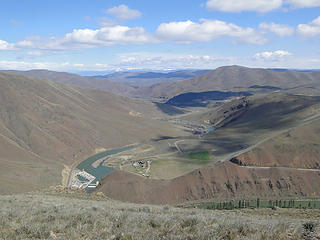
(76,216)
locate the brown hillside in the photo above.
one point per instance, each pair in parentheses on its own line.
(223,181)
(74,79)
(46,125)
(297,148)
(244,123)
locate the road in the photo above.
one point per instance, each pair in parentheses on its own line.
(283,168)
(177,147)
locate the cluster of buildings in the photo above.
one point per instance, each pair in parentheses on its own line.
(141,164)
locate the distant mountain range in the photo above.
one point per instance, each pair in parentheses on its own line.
(163,86)
(294,70)
(238,79)
(139,79)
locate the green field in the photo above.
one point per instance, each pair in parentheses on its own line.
(200,157)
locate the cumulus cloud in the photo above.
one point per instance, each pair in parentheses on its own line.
(108,36)
(123,12)
(55,66)
(206,30)
(22,65)
(258,5)
(161,61)
(303,3)
(281,30)
(90,38)
(244,5)
(181,32)
(311,29)
(4,45)
(272,56)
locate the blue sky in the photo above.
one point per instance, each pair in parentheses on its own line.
(114,35)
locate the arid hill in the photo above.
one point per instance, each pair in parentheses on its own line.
(236,78)
(77,80)
(225,79)
(246,122)
(224,181)
(121,83)
(299,147)
(46,126)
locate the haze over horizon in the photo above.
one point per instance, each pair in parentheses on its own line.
(126,35)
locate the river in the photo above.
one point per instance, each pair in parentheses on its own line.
(100,171)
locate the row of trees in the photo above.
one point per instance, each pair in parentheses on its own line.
(258,203)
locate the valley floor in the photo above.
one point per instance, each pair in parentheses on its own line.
(68,215)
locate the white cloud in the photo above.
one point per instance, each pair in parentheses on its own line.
(22,65)
(181,32)
(165,61)
(55,66)
(278,29)
(162,61)
(206,30)
(123,12)
(272,56)
(258,5)
(303,3)
(244,5)
(90,38)
(311,29)
(108,36)
(4,45)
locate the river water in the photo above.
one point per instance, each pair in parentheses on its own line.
(101,171)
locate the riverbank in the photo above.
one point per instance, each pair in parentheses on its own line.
(96,171)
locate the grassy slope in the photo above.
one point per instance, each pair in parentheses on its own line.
(74,216)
